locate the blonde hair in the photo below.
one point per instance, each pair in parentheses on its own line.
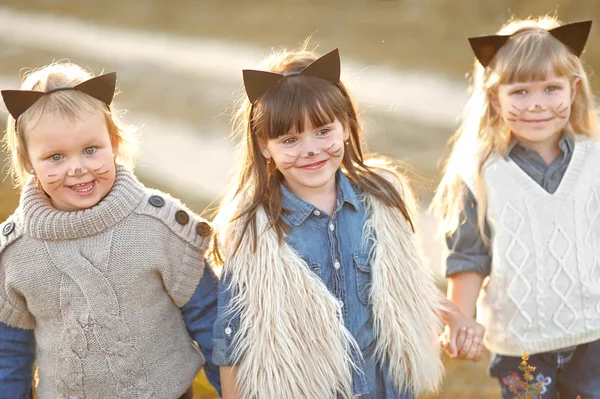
(531,54)
(281,108)
(69,104)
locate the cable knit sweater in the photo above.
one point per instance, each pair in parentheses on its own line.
(102,289)
(544,289)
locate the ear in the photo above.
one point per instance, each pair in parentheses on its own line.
(346,133)
(575,88)
(263,149)
(28,167)
(495,103)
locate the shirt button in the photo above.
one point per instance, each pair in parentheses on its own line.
(156,201)
(341,303)
(228,330)
(331,226)
(337,264)
(317,212)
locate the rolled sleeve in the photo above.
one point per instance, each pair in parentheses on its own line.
(225,328)
(199,315)
(467,249)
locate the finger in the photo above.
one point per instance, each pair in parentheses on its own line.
(473,350)
(452,348)
(464,351)
(460,338)
(479,353)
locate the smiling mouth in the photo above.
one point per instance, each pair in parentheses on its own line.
(83,188)
(314,166)
(537,120)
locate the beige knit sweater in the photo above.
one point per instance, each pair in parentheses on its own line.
(102,289)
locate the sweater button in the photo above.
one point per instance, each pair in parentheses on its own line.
(182,217)
(8,228)
(156,201)
(203,229)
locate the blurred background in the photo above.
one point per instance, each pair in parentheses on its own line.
(179,68)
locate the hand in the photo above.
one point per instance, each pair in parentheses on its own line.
(463,337)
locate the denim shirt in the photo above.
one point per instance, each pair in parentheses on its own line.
(332,248)
(467,250)
(17,346)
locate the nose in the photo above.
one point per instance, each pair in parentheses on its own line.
(77,168)
(310,148)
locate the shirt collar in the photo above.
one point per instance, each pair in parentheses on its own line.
(298,209)
(565,144)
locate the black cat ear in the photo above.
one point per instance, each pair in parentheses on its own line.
(574,35)
(257,83)
(19,101)
(486,47)
(101,87)
(326,67)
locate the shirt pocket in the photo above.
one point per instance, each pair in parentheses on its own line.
(313,266)
(362,266)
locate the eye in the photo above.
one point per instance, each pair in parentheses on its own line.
(56,157)
(324,132)
(289,140)
(553,88)
(90,151)
(519,92)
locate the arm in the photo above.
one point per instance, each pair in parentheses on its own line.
(199,315)
(17,354)
(224,330)
(228,381)
(467,265)
(469,259)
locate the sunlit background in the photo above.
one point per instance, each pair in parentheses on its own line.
(179,67)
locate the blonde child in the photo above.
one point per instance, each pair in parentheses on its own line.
(520,203)
(104,282)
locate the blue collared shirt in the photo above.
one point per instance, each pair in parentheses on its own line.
(17,346)
(333,248)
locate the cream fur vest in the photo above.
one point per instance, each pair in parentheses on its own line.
(292,343)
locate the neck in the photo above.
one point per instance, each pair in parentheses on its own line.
(548,149)
(323,197)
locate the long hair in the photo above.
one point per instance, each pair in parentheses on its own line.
(69,104)
(531,54)
(281,108)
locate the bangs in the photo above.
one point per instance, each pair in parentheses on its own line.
(70,105)
(296,100)
(533,56)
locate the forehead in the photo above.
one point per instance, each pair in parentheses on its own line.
(53,131)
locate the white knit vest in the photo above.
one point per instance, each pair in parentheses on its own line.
(543,293)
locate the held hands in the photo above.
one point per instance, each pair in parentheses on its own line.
(463,337)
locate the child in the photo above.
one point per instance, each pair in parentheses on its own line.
(519,199)
(323,293)
(108,276)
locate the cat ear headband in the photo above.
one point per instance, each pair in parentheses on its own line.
(258,83)
(574,36)
(101,88)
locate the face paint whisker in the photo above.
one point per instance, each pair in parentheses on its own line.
(289,164)
(95,170)
(517,108)
(512,113)
(511,120)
